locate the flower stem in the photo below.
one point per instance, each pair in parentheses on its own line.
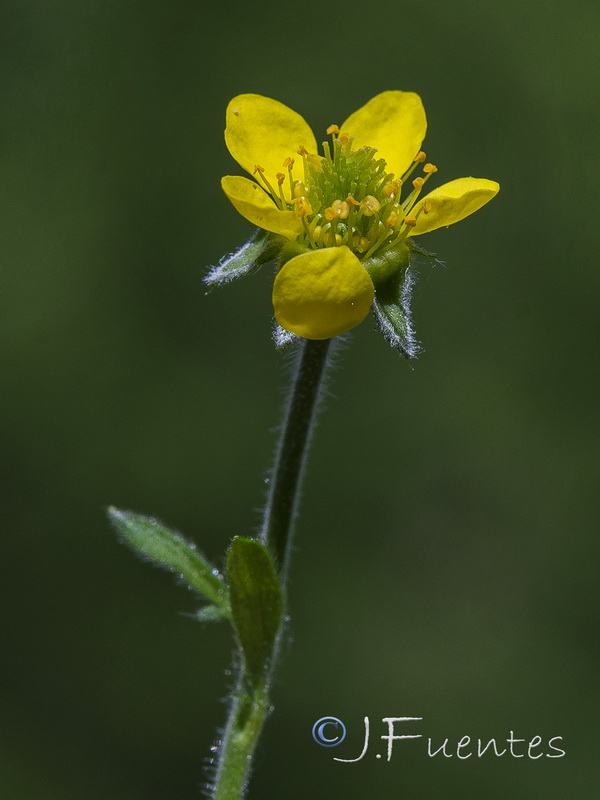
(282,503)
(250,705)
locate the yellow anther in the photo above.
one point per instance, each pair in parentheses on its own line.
(302,151)
(280,178)
(426,206)
(418,183)
(421,156)
(370,205)
(352,201)
(410,221)
(258,168)
(362,245)
(393,218)
(299,189)
(303,206)
(316,234)
(289,162)
(429,168)
(340,208)
(333,129)
(329,214)
(344,138)
(338,239)
(391,188)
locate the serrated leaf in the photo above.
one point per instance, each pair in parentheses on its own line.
(391,309)
(167,548)
(259,249)
(256,603)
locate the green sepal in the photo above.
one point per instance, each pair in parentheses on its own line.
(260,248)
(290,250)
(391,309)
(284,339)
(387,264)
(426,254)
(166,548)
(256,604)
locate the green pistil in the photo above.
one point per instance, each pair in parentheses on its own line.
(342,173)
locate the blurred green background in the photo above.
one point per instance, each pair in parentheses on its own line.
(446,555)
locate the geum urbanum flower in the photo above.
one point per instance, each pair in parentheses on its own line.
(340,225)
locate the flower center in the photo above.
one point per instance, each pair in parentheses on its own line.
(349,198)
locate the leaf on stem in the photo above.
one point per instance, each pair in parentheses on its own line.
(149,538)
(212,614)
(256,603)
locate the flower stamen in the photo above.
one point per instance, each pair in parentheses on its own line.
(303,206)
(259,172)
(418,183)
(410,221)
(372,213)
(391,188)
(280,181)
(339,208)
(289,164)
(418,159)
(370,205)
(393,217)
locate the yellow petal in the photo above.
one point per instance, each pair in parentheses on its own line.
(257,207)
(393,122)
(323,293)
(452,202)
(265,132)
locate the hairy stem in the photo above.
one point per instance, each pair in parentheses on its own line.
(247,714)
(282,503)
(250,705)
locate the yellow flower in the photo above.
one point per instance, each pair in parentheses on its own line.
(347,211)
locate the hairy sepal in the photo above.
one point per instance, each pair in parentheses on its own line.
(260,248)
(391,309)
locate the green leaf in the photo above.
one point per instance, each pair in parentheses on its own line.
(256,603)
(212,614)
(259,249)
(391,309)
(151,539)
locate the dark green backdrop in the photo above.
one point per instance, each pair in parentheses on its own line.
(446,556)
